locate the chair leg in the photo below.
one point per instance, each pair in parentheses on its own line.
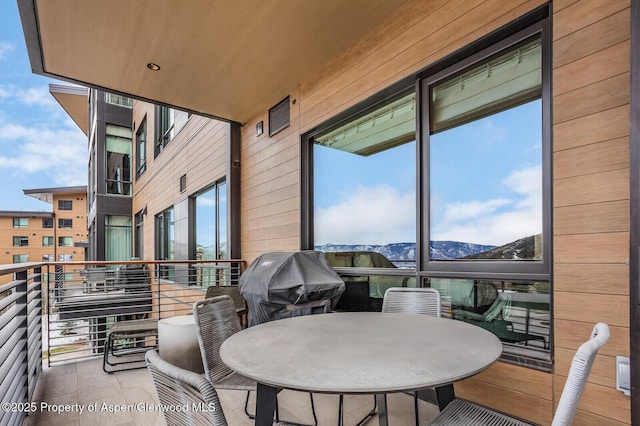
(246,407)
(363,420)
(415,407)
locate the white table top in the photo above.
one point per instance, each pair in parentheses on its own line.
(362,352)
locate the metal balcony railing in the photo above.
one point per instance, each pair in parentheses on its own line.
(20,338)
(85,299)
(62,311)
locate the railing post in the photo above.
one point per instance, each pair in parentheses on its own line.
(37,307)
(23,327)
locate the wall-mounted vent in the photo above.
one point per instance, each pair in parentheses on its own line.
(279,116)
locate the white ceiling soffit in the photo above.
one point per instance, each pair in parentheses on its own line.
(74,100)
(222,58)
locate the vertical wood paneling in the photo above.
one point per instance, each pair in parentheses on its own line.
(591,196)
(591,176)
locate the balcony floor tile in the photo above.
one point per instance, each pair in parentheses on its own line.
(84,384)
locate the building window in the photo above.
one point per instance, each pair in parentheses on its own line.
(138,250)
(485,160)
(183,183)
(47,222)
(483,199)
(141,148)
(20,241)
(347,167)
(65,241)
(65,205)
(164,128)
(119,100)
(47,242)
(65,223)
(210,211)
(20,222)
(20,258)
(118,160)
(117,238)
(165,240)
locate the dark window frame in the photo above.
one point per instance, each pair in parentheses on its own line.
(47,223)
(65,223)
(61,240)
(22,241)
(65,204)
(17,222)
(141,147)
(163,128)
(522,270)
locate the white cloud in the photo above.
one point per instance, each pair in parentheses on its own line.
(497,221)
(368,215)
(5,49)
(59,154)
(31,96)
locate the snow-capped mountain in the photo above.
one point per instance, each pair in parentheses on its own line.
(407,251)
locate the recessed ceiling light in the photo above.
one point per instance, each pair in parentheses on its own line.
(153,67)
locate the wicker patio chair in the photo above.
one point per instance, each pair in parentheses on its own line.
(234,292)
(462,412)
(216,320)
(191,392)
(408,300)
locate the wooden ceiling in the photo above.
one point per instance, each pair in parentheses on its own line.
(223,58)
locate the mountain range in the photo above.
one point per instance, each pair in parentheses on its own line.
(523,248)
(407,251)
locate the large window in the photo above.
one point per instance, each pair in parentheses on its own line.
(65,241)
(117,238)
(113,99)
(118,160)
(482,192)
(65,223)
(164,120)
(65,205)
(138,244)
(210,230)
(47,222)
(165,241)
(485,164)
(47,242)
(364,183)
(20,222)
(141,148)
(20,258)
(20,241)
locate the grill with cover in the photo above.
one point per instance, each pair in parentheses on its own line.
(275,281)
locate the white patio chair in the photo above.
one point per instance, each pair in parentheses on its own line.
(461,412)
(178,387)
(408,300)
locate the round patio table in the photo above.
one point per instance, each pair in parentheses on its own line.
(358,353)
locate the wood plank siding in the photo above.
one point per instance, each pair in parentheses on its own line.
(197,150)
(590,174)
(590,143)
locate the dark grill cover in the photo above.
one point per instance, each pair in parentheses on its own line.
(275,280)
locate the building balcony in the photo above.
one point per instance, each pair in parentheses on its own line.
(54,319)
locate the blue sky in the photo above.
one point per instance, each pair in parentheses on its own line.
(40,146)
(486,186)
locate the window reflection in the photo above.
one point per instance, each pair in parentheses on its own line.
(516,312)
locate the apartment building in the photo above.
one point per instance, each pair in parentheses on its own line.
(313,121)
(106,120)
(36,236)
